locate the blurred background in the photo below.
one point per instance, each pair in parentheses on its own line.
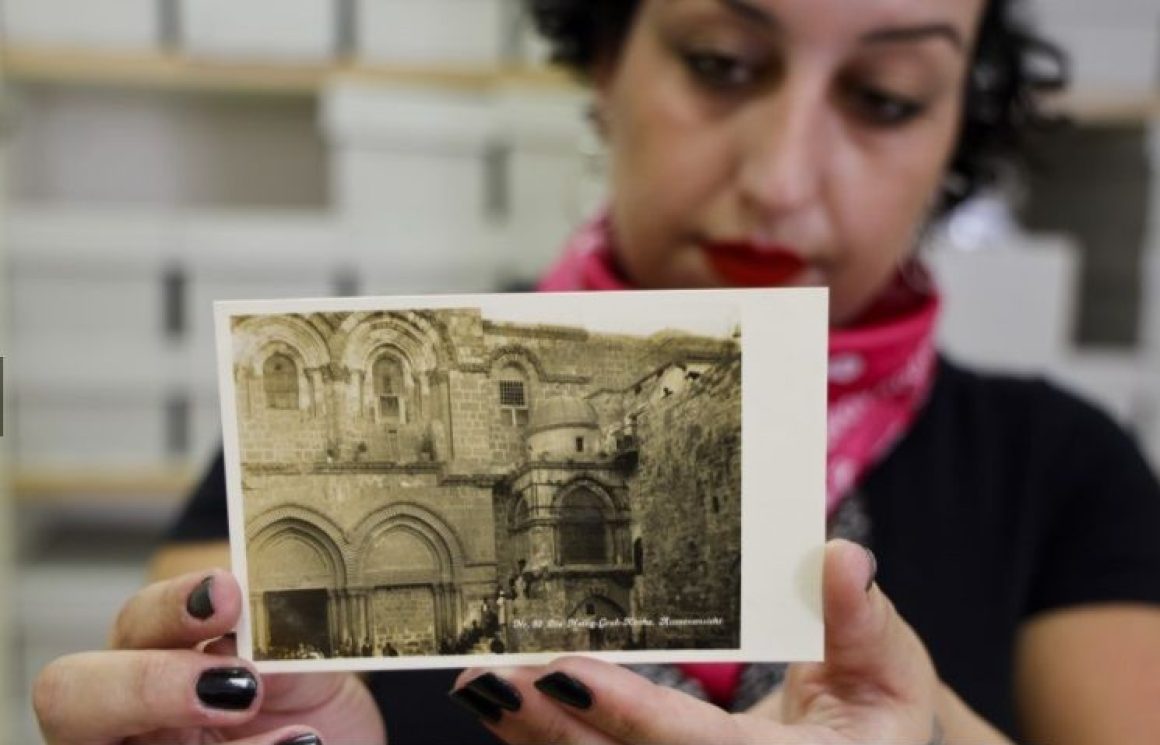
(156,155)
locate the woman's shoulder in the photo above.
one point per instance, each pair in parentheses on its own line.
(1020,404)
(1020,428)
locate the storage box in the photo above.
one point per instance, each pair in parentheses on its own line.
(1111,59)
(126,25)
(556,176)
(420,184)
(94,428)
(283,30)
(432,32)
(1008,307)
(1114,46)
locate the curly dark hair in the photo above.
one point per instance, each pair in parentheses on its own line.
(1012,66)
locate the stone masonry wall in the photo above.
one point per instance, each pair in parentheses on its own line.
(405,618)
(686,502)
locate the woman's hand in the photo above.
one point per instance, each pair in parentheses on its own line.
(877,685)
(172,677)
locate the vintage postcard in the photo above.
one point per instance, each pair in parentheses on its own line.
(500,479)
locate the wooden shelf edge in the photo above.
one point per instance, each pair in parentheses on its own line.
(75,486)
(183,73)
(1109,107)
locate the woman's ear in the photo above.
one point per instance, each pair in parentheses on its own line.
(601,78)
(597,115)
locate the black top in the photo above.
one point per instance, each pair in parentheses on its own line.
(1007,498)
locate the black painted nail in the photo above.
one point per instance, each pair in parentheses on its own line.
(476,704)
(498,691)
(307,739)
(873,567)
(200,604)
(565,689)
(233,688)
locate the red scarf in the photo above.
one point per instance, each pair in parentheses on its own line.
(880,372)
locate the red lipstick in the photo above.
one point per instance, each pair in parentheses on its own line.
(742,264)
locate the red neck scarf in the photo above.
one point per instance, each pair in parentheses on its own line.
(880,371)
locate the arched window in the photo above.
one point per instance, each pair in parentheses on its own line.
(520,515)
(513,397)
(390,392)
(583,538)
(280,378)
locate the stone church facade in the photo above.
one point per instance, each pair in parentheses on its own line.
(422,482)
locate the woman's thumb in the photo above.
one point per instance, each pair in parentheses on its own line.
(867,643)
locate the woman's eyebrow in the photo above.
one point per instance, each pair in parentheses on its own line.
(751,12)
(915,34)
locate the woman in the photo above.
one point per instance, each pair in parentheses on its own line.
(775,142)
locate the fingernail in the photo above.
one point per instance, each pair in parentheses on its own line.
(307,739)
(233,688)
(873,567)
(200,604)
(498,691)
(476,704)
(565,689)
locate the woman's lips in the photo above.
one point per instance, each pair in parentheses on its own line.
(742,264)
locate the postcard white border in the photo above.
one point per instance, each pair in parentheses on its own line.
(783,452)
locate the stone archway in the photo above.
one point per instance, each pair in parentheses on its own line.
(295,571)
(409,566)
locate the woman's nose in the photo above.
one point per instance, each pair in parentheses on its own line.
(784,151)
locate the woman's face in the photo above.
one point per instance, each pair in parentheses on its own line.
(782,142)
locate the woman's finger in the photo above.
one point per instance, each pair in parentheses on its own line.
(179,613)
(104,697)
(288,693)
(612,703)
(506,701)
(294,735)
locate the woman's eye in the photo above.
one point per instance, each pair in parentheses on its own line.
(721,71)
(885,109)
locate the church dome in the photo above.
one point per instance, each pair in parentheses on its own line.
(562,412)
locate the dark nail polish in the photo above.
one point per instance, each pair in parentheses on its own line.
(476,704)
(498,691)
(200,604)
(565,689)
(873,567)
(307,739)
(233,688)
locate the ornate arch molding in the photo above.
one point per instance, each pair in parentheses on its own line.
(522,358)
(444,570)
(273,523)
(587,483)
(255,334)
(416,337)
(420,521)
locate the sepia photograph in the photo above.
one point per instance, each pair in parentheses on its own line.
(445,482)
